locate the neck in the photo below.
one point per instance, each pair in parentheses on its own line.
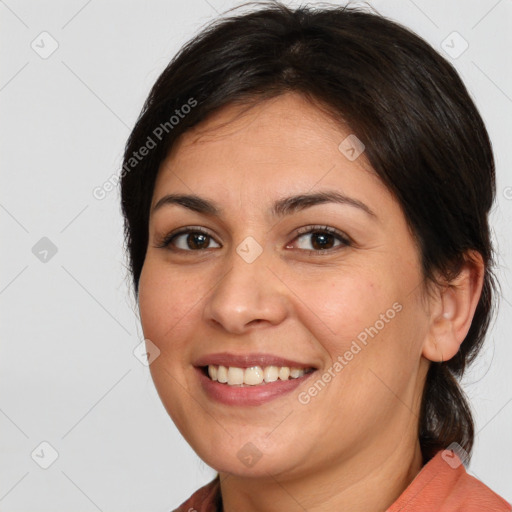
(371,480)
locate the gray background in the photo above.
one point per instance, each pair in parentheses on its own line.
(69,323)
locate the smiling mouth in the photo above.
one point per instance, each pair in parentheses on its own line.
(253,375)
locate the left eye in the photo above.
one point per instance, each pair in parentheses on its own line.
(319,240)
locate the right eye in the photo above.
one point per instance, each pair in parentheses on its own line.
(188,240)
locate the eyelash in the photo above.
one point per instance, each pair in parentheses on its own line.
(166,241)
(341,237)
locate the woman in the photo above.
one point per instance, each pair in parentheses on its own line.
(306,198)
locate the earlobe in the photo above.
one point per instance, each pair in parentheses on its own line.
(442,343)
(453,311)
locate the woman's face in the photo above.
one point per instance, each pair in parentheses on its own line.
(284,251)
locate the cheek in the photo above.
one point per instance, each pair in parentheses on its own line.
(167,303)
(368,322)
(343,304)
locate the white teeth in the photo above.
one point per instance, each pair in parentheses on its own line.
(212,372)
(296,372)
(235,375)
(222,374)
(253,376)
(284,372)
(271,373)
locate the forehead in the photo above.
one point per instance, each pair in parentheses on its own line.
(282,145)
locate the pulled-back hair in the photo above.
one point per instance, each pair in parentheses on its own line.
(422,133)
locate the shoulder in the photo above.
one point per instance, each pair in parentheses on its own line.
(473,495)
(205,499)
(444,485)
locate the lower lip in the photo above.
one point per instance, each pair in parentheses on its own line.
(249,395)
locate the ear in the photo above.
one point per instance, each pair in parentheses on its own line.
(452,309)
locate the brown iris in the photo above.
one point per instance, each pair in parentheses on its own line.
(320,240)
(196,240)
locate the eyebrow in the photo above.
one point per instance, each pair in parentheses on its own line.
(280,208)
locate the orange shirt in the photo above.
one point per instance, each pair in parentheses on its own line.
(442,485)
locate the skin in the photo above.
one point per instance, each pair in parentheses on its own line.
(354,446)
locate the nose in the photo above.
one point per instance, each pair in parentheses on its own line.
(248,295)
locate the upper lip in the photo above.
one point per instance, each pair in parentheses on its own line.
(248,360)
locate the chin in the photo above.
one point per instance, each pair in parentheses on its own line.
(245,458)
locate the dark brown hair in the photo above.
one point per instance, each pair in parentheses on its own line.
(423,136)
